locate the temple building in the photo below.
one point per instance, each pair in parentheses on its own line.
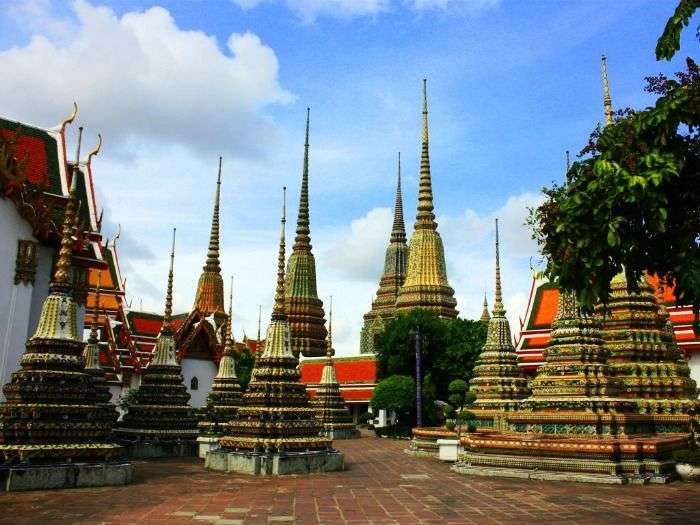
(54,427)
(304,308)
(275,431)
(159,421)
(384,306)
(426,284)
(35,178)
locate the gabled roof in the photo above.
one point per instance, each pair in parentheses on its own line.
(535,328)
(357,376)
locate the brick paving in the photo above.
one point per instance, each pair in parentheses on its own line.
(381,485)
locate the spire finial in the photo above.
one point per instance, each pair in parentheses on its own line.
(62,276)
(425,219)
(259,320)
(213,264)
(278,311)
(329,347)
(167,318)
(498,309)
(228,337)
(568,161)
(398,230)
(485,312)
(302,239)
(607,101)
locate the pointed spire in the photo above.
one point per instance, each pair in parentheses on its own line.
(607,101)
(425,219)
(498,310)
(213,264)
(329,349)
(398,230)
(62,277)
(278,312)
(229,341)
(568,161)
(167,318)
(485,316)
(302,239)
(259,320)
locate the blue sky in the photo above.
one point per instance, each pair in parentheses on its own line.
(171,85)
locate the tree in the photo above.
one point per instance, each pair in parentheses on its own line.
(244,366)
(633,200)
(396,393)
(449,348)
(460,399)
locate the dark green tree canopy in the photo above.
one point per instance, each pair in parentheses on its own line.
(395,393)
(449,348)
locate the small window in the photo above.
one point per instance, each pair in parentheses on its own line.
(194,384)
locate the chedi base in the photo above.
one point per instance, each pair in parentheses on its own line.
(64,476)
(277,464)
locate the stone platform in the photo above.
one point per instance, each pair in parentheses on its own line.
(64,476)
(341,433)
(424,441)
(160,449)
(278,464)
(206,444)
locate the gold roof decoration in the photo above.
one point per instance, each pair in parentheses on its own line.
(426,284)
(485,316)
(304,308)
(209,298)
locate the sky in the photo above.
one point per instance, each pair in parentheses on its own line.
(171,85)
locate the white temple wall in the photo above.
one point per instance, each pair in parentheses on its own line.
(41,286)
(205,371)
(15,300)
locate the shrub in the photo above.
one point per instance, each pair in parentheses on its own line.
(687,456)
(393,431)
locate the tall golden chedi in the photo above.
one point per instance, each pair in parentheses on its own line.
(426,283)
(53,434)
(225,397)
(159,421)
(209,299)
(384,306)
(275,431)
(331,411)
(497,382)
(304,308)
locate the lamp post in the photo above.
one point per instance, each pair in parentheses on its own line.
(419,395)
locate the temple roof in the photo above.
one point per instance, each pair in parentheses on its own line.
(356,375)
(535,328)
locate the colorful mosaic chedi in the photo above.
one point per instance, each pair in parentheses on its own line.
(331,411)
(304,308)
(225,396)
(384,306)
(51,414)
(160,409)
(275,416)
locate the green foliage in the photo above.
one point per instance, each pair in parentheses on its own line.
(633,201)
(448,350)
(460,399)
(364,418)
(687,456)
(244,366)
(395,393)
(394,431)
(670,40)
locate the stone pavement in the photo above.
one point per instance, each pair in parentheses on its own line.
(381,486)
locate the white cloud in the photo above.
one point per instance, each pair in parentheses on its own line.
(309,10)
(140,79)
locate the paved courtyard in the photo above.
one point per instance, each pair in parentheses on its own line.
(381,486)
